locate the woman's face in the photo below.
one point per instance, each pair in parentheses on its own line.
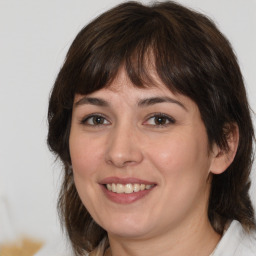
(140,158)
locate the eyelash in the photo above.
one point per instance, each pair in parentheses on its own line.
(167,118)
(85,120)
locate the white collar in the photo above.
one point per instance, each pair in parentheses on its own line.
(236,242)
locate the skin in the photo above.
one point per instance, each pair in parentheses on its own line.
(173,154)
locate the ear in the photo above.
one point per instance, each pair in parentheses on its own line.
(223,158)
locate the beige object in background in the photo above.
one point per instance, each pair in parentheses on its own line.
(25,247)
(10,244)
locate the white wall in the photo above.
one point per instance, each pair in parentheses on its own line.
(34,37)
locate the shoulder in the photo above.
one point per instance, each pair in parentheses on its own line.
(236,242)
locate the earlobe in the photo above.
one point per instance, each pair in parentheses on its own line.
(223,158)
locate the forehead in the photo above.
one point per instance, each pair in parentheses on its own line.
(122,85)
(121,90)
(150,80)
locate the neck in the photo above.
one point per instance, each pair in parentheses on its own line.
(192,239)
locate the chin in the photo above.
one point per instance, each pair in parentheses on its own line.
(128,232)
(128,227)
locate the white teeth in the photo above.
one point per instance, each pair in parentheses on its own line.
(127,188)
(136,187)
(114,187)
(119,188)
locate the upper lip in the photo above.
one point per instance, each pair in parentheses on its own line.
(128,180)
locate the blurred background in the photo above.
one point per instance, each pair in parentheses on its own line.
(34,38)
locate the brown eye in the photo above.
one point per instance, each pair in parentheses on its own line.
(95,120)
(159,120)
(98,120)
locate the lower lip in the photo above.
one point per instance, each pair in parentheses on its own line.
(124,198)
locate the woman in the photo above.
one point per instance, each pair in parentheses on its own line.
(150,118)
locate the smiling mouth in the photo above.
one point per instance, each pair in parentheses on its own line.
(127,188)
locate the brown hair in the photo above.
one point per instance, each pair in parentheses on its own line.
(191,57)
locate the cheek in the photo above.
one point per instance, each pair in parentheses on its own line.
(183,164)
(181,156)
(85,154)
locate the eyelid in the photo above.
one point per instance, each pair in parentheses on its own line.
(87,117)
(170,119)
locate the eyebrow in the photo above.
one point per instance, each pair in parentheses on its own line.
(156,100)
(92,101)
(141,103)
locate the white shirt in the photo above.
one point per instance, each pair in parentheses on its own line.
(236,242)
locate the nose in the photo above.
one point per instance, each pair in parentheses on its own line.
(123,148)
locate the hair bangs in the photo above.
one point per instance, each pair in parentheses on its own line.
(144,50)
